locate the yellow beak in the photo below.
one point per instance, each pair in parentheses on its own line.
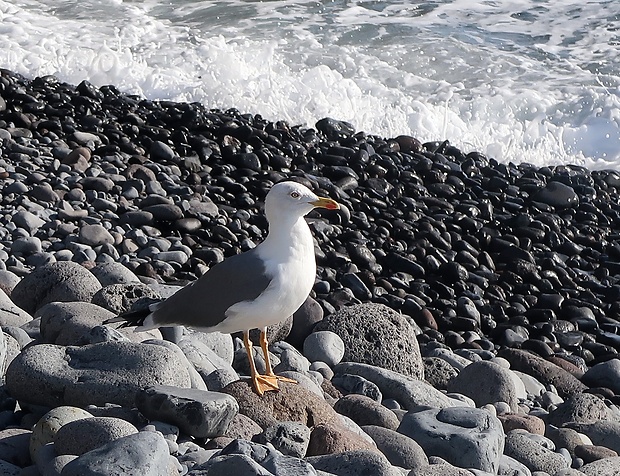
(326,203)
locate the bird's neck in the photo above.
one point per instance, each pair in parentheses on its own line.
(288,238)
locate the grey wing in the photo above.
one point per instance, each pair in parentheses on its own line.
(204,302)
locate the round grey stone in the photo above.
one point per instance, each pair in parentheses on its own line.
(141,454)
(109,372)
(324,346)
(114,273)
(64,281)
(373,334)
(486,382)
(289,437)
(80,436)
(95,235)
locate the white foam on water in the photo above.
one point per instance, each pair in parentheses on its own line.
(531,81)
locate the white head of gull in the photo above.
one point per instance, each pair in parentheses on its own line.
(255,289)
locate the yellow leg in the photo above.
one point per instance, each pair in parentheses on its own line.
(269,371)
(261,383)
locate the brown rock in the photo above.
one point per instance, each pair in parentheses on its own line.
(242,427)
(589,453)
(564,438)
(545,371)
(328,439)
(291,403)
(364,410)
(530,423)
(566,365)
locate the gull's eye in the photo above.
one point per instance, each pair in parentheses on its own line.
(295,195)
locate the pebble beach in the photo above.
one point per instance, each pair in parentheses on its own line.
(464,319)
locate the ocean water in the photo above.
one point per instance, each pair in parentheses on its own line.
(533,81)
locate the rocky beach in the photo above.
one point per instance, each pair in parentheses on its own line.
(464,320)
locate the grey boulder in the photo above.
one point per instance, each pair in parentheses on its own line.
(467,437)
(486,382)
(198,413)
(534,451)
(399,449)
(84,435)
(63,281)
(96,374)
(354,463)
(141,454)
(410,392)
(372,334)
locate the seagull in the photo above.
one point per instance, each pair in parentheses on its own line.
(254,289)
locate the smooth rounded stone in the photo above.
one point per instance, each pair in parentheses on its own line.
(26,245)
(601,433)
(566,438)
(137,218)
(469,437)
(410,392)
(353,463)
(289,437)
(109,372)
(8,280)
(166,212)
(602,467)
(456,361)
(14,446)
(529,423)
(304,380)
(486,382)
(590,453)
(27,220)
(46,428)
(10,314)
(80,436)
(204,359)
(195,378)
(221,344)
(174,256)
(304,320)
(557,194)
(141,454)
(113,273)
(605,374)
(533,387)
(329,438)
(291,403)
(64,323)
(534,451)
(366,411)
(64,281)
(119,298)
(291,360)
(510,466)
(242,457)
(198,413)
(324,346)
(372,334)
(543,370)
(438,372)
(348,383)
(219,378)
(399,449)
(95,235)
(580,408)
(55,466)
(161,151)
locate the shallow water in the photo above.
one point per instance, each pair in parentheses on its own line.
(526,80)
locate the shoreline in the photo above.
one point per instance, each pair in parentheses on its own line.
(483,261)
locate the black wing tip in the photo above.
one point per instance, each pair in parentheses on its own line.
(136,316)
